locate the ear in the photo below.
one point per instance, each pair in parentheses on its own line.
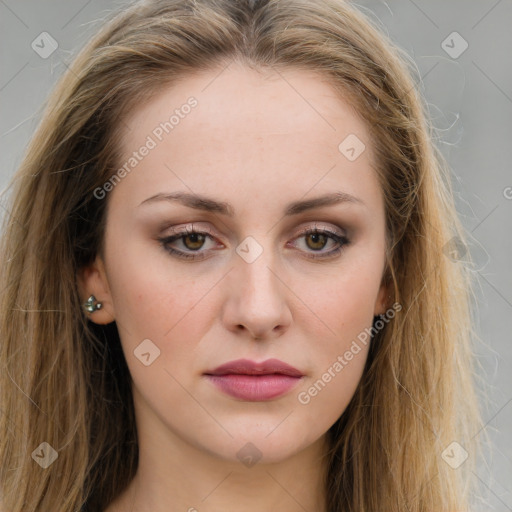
(383,301)
(92,280)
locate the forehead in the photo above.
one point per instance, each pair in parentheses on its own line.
(249,133)
(241,100)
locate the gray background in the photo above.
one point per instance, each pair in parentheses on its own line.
(470,101)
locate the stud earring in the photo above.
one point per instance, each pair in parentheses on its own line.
(92,304)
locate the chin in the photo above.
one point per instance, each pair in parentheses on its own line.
(263,444)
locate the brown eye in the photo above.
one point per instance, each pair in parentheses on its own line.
(313,243)
(193,241)
(188,244)
(318,241)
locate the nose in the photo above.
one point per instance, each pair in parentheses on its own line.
(257,299)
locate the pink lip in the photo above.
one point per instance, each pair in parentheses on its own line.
(253,381)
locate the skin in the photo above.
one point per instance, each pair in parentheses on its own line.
(259,141)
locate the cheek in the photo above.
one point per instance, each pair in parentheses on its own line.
(157,301)
(343,309)
(329,392)
(342,304)
(340,357)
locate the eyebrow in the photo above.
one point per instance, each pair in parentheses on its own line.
(204,203)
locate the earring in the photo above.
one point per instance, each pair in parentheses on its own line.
(92,304)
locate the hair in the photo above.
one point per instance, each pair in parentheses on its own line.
(65,381)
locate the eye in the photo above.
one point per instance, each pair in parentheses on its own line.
(317,239)
(190,239)
(193,243)
(196,241)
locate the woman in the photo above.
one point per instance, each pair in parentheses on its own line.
(225,279)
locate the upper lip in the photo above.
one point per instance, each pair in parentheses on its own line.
(248,367)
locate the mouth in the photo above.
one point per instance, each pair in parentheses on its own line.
(250,381)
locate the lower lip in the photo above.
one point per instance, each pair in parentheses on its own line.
(255,388)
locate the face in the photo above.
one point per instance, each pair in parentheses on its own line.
(216,250)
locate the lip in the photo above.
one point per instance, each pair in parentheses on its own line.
(252,381)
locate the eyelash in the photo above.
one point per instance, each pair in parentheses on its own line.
(341,240)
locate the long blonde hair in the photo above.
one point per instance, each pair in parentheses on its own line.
(64,380)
